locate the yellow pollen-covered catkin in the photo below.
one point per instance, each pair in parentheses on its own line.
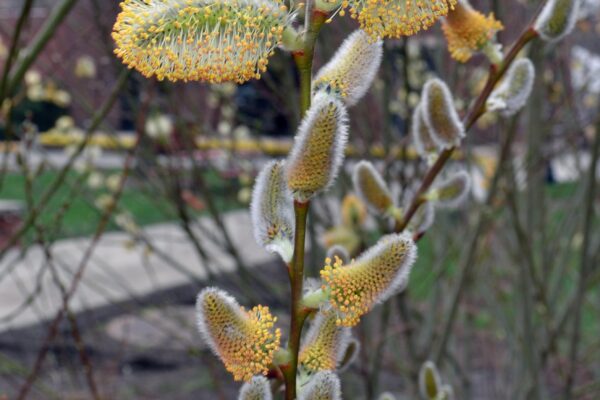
(318,151)
(325,343)
(244,340)
(377,274)
(467,30)
(396,18)
(199,40)
(371,188)
(352,69)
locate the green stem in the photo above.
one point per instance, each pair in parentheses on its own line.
(297,315)
(304,61)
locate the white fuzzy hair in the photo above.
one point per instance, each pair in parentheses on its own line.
(257,388)
(201,322)
(542,23)
(461,178)
(343,337)
(364,164)
(452,118)
(305,131)
(266,210)
(512,94)
(364,54)
(323,385)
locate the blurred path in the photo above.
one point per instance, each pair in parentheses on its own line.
(118,270)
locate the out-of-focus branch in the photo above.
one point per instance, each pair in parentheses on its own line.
(584,268)
(56,17)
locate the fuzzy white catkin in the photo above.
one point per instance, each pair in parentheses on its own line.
(439,114)
(512,93)
(319,146)
(351,71)
(325,385)
(272,211)
(371,188)
(453,191)
(257,388)
(557,19)
(423,218)
(429,381)
(421,135)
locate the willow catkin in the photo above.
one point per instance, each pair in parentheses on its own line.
(440,115)
(257,388)
(352,69)
(272,211)
(245,341)
(324,385)
(318,151)
(557,19)
(205,40)
(512,93)
(376,275)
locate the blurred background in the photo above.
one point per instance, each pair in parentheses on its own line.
(121,197)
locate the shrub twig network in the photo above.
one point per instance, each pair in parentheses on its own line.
(232,40)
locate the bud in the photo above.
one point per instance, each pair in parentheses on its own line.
(452,192)
(440,115)
(352,69)
(342,236)
(206,40)
(244,340)
(429,381)
(325,343)
(354,212)
(557,19)
(340,252)
(423,218)
(421,135)
(85,67)
(467,31)
(318,150)
(272,211)
(325,385)
(512,94)
(257,388)
(376,275)
(371,188)
(396,18)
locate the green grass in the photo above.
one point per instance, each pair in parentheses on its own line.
(81,217)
